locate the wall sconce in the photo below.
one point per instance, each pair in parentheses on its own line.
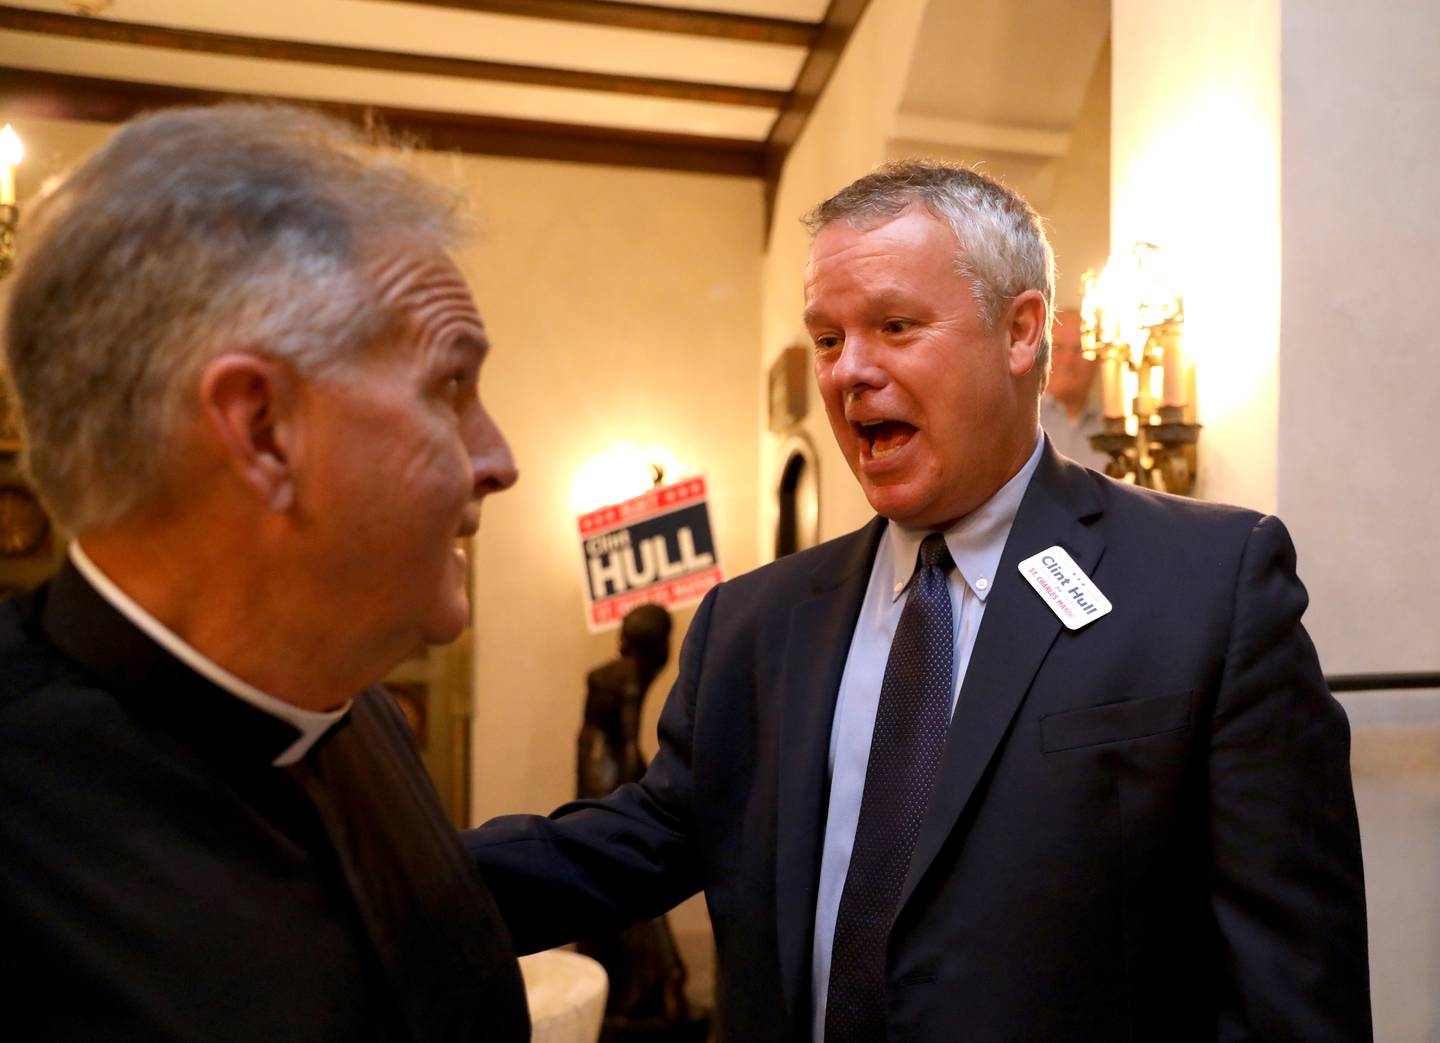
(1132,319)
(11,152)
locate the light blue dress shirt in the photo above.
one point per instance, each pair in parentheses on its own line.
(976,542)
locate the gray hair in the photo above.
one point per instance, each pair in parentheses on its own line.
(191,232)
(1002,248)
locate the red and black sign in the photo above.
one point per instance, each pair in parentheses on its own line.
(655,549)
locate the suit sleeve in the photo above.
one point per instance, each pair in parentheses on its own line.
(594,865)
(1288,890)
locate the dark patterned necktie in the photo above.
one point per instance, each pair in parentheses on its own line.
(910,725)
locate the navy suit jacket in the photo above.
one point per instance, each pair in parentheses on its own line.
(1142,830)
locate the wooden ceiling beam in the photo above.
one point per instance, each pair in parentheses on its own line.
(108,30)
(841,18)
(60,96)
(649,17)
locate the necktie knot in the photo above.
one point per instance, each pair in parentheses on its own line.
(933,551)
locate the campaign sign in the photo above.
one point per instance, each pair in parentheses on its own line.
(655,549)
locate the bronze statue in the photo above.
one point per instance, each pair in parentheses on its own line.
(609,751)
(647,977)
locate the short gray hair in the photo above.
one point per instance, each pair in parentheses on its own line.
(193,231)
(1003,250)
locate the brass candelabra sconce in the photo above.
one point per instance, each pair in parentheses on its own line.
(11,152)
(1132,321)
(30,548)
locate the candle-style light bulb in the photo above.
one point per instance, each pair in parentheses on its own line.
(11,152)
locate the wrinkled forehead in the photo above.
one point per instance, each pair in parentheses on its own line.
(419,285)
(399,266)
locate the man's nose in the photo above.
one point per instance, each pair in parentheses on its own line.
(492,466)
(858,364)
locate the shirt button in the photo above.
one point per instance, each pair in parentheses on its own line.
(899,586)
(982,584)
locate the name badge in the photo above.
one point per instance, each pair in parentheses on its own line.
(1071,595)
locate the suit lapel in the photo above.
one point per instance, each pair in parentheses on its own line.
(816,645)
(1015,636)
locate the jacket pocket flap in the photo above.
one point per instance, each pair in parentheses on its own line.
(1115,722)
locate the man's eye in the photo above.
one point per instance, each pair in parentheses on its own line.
(456,387)
(896,326)
(826,342)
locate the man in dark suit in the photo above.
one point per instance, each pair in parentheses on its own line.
(1034,756)
(248,375)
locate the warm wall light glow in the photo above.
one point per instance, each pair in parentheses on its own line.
(1195,165)
(11,153)
(1157,382)
(1156,287)
(1131,383)
(1099,306)
(11,150)
(619,473)
(1135,291)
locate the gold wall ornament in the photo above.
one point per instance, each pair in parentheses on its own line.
(11,152)
(30,546)
(1132,320)
(9,222)
(24,525)
(12,439)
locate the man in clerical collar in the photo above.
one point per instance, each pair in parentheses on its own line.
(248,373)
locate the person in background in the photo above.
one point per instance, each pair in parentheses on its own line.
(248,369)
(1069,413)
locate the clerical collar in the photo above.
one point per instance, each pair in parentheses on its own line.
(976,541)
(311,724)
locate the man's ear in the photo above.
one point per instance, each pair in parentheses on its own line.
(248,402)
(1025,325)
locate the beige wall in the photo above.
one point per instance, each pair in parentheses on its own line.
(51,147)
(1395,760)
(1359,407)
(623,307)
(1077,215)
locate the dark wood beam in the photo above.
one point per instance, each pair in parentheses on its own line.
(60,96)
(835,31)
(107,30)
(717,24)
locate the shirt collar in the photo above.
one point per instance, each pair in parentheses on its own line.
(311,724)
(975,542)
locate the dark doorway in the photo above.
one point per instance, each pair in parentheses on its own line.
(787,529)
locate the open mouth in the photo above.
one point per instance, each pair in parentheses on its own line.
(882,438)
